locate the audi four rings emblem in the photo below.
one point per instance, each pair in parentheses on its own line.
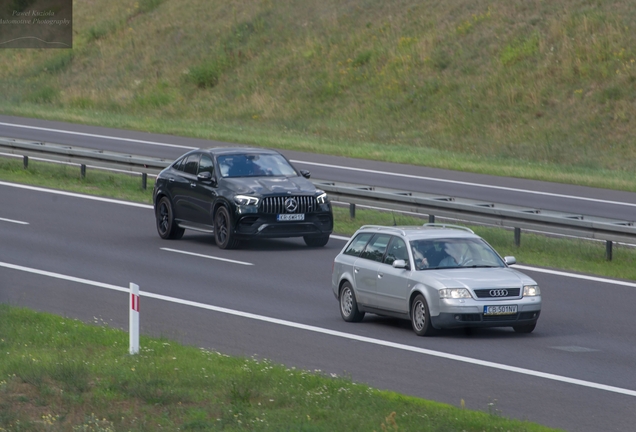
(291,205)
(499,293)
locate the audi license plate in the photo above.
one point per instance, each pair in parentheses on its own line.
(500,310)
(291,217)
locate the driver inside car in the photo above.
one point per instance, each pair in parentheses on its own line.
(457,255)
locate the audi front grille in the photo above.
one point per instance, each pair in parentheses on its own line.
(497,292)
(276,205)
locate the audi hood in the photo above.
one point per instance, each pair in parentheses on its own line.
(476,278)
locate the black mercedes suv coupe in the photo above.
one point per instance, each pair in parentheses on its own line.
(240,193)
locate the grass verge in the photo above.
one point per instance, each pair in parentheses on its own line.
(58,374)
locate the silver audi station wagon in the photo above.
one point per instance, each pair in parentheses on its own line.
(438,276)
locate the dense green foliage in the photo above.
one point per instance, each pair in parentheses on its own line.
(58,374)
(531,89)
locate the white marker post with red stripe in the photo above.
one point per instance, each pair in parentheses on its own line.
(134,318)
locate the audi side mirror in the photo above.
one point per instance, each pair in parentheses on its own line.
(400,264)
(510,260)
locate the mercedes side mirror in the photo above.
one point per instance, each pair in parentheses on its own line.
(206,177)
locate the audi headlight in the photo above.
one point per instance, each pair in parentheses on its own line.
(454,293)
(322,198)
(531,291)
(246,200)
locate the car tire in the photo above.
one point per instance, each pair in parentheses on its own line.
(316,241)
(420,317)
(348,304)
(166,226)
(223,234)
(529,328)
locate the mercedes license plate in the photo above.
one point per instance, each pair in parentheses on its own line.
(500,310)
(291,217)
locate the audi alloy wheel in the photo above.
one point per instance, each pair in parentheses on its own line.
(420,317)
(348,304)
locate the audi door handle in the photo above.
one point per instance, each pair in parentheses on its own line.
(380,275)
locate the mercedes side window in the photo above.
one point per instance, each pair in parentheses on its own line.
(192,163)
(179,165)
(357,244)
(376,247)
(206,165)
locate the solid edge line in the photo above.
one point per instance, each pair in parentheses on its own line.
(575,276)
(335,333)
(333,236)
(96,136)
(76,195)
(331,166)
(463,183)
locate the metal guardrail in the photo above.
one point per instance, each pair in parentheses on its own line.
(83,157)
(609,230)
(484,212)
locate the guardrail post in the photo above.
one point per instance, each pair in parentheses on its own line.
(352,210)
(25,159)
(83,170)
(608,250)
(517,237)
(144,181)
(134,319)
(431,218)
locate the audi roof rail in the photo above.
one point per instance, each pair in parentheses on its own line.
(384,227)
(443,225)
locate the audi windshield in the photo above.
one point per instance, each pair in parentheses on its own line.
(454,253)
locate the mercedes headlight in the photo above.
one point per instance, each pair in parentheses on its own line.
(246,200)
(454,293)
(531,291)
(322,198)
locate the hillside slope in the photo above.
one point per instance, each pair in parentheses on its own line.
(534,81)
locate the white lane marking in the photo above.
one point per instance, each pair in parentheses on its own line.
(14,221)
(433,179)
(96,136)
(333,236)
(207,256)
(76,195)
(291,324)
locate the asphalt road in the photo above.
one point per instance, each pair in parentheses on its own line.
(75,257)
